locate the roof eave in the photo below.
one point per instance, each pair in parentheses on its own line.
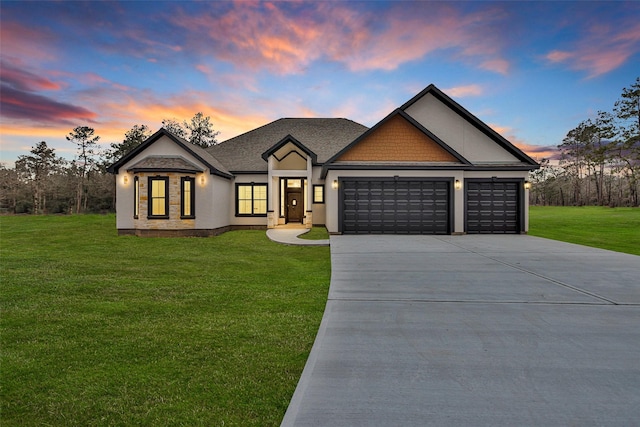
(114,168)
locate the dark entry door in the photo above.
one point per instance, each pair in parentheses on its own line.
(295,206)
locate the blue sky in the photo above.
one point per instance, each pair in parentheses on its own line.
(531,70)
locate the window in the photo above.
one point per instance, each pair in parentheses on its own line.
(318,194)
(294,183)
(251,199)
(188,197)
(283,201)
(136,197)
(158,197)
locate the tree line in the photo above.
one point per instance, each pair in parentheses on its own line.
(44,183)
(599,160)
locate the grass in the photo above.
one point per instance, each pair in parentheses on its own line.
(315,233)
(98,329)
(616,229)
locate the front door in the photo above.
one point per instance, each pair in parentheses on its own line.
(295,206)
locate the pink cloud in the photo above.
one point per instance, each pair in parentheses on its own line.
(18,104)
(463,91)
(536,152)
(22,79)
(18,99)
(602,49)
(18,41)
(500,66)
(287,37)
(558,56)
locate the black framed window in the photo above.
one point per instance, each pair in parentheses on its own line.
(158,197)
(318,194)
(136,197)
(251,199)
(187,197)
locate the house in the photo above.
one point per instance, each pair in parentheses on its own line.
(429,167)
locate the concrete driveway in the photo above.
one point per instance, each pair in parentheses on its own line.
(474,330)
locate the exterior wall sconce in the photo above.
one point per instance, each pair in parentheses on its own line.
(334,184)
(202,179)
(125,180)
(527,185)
(458,184)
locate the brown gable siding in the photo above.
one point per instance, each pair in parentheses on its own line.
(397,140)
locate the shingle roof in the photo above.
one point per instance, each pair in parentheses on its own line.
(158,163)
(198,152)
(324,137)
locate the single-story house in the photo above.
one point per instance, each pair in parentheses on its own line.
(429,167)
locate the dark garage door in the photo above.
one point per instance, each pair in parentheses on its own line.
(395,206)
(493,207)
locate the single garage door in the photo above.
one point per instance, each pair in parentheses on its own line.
(493,207)
(395,206)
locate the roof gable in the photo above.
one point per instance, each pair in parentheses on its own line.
(215,167)
(413,106)
(286,146)
(397,139)
(434,145)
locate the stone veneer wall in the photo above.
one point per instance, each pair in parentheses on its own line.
(174,222)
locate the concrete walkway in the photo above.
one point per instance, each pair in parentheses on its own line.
(473,331)
(289,236)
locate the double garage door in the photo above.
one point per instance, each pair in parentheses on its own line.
(425,206)
(395,206)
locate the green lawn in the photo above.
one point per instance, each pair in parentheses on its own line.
(315,233)
(98,329)
(616,229)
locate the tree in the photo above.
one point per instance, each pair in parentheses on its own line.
(599,136)
(37,169)
(627,109)
(10,189)
(572,158)
(132,138)
(201,131)
(87,144)
(175,128)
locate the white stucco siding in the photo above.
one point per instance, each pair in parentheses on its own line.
(457,132)
(212,193)
(319,209)
(124,200)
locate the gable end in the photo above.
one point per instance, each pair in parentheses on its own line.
(473,120)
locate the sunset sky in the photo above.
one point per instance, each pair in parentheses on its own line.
(531,70)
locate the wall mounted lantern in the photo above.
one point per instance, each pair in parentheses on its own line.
(458,184)
(334,184)
(527,185)
(125,179)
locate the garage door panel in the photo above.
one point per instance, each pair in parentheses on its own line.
(404,206)
(492,207)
